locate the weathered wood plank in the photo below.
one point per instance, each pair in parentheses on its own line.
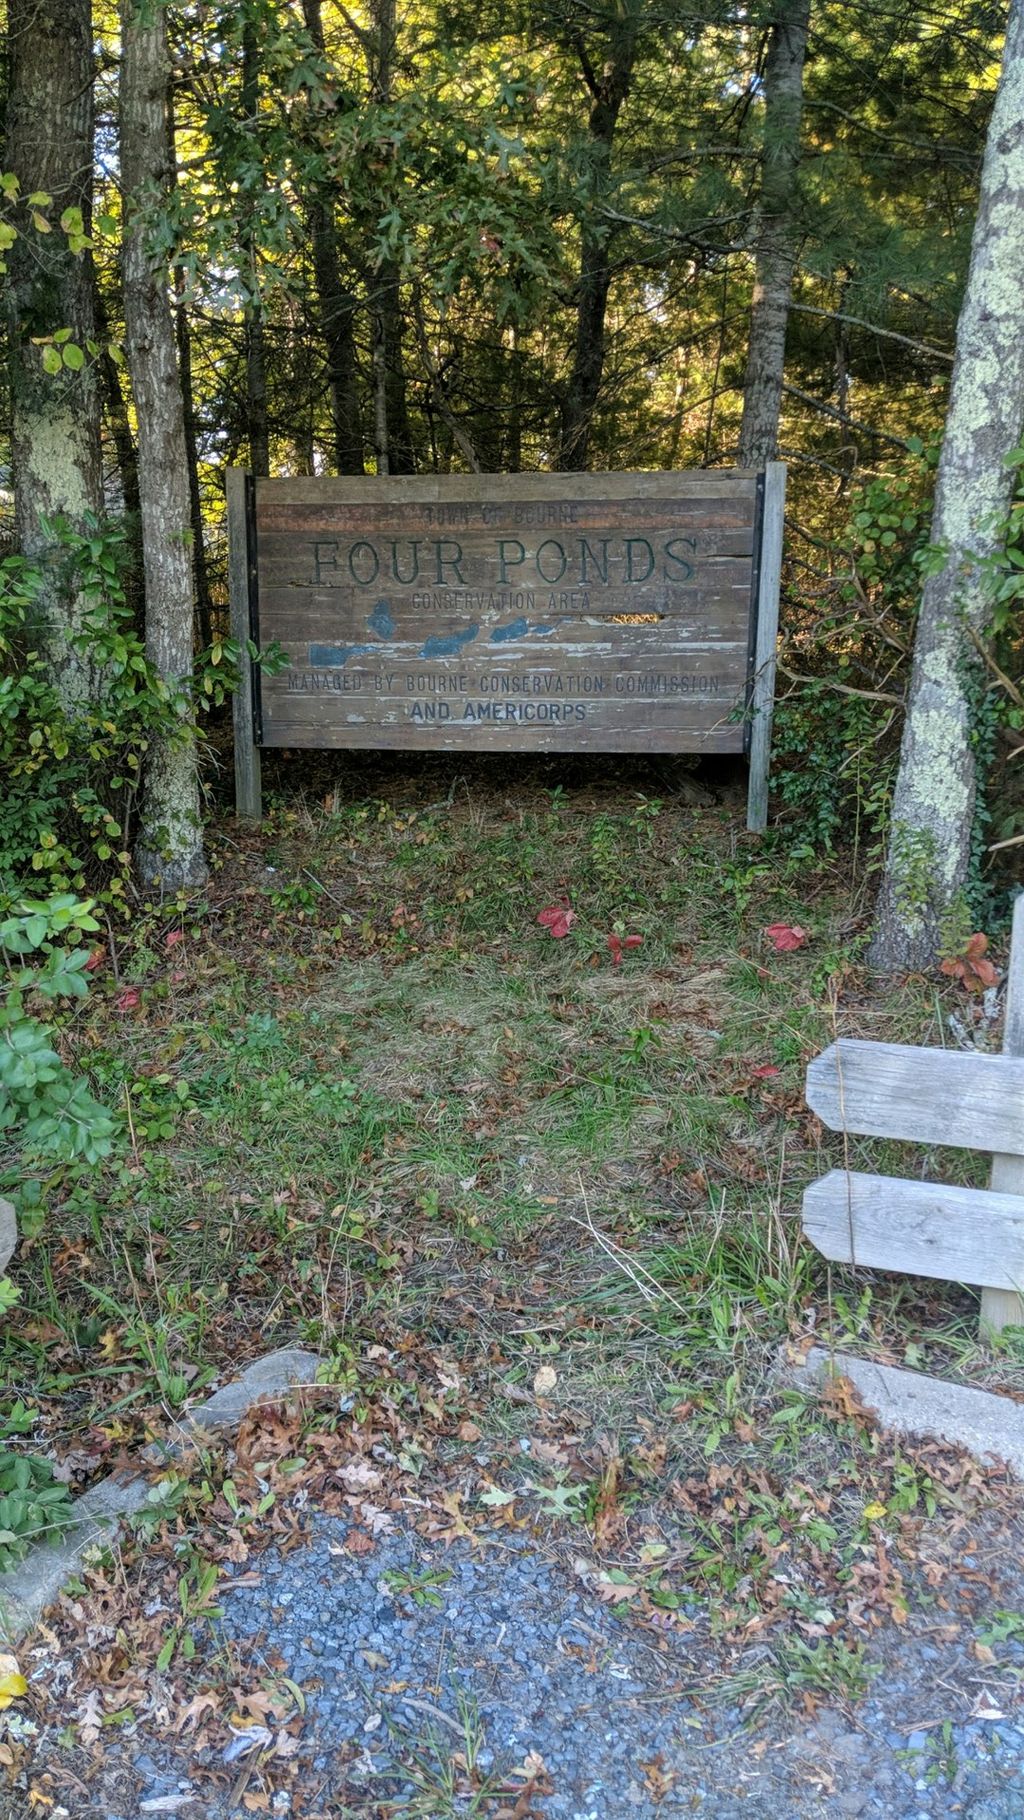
(1000,1308)
(928,1096)
(248,792)
(658,564)
(713,522)
(928,1229)
(496,489)
(762,694)
(396,737)
(705,619)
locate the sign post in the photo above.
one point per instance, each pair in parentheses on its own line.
(632,613)
(244,627)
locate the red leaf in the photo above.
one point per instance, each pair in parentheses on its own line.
(96,959)
(557,919)
(784,937)
(128,999)
(172,939)
(618,942)
(764,1074)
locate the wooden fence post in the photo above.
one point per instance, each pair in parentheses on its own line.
(248,791)
(1002,1307)
(762,700)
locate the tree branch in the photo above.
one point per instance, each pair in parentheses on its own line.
(853,423)
(859,322)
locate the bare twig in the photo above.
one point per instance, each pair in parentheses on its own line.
(1001,677)
(826,682)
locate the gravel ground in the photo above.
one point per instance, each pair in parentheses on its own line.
(507,1654)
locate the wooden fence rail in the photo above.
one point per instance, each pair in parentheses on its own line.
(930,1096)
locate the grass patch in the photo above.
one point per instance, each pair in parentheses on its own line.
(365,1093)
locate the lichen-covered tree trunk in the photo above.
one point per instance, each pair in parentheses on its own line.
(609,87)
(55,417)
(777,234)
(170,850)
(928,860)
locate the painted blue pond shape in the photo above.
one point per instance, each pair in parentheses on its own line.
(335,657)
(449,647)
(380,620)
(517,628)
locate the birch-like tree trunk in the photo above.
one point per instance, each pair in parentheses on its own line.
(170,850)
(929,855)
(777,234)
(55,416)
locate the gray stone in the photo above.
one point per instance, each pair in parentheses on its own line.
(909,1403)
(30,1587)
(8,1233)
(264,1380)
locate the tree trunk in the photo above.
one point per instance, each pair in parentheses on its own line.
(608,90)
(116,413)
(337,306)
(778,235)
(255,337)
(115,410)
(929,856)
(391,410)
(183,344)
(55,417)
(170,850)
(200,567)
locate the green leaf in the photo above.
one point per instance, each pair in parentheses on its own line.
(74,357)
(52,362)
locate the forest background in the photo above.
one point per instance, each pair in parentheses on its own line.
(634,234)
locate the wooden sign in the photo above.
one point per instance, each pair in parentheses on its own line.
(930,1096)
(509,613)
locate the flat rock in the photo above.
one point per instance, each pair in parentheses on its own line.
(263,1380)
(8,1233)
(909,1403)
(30,1587)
